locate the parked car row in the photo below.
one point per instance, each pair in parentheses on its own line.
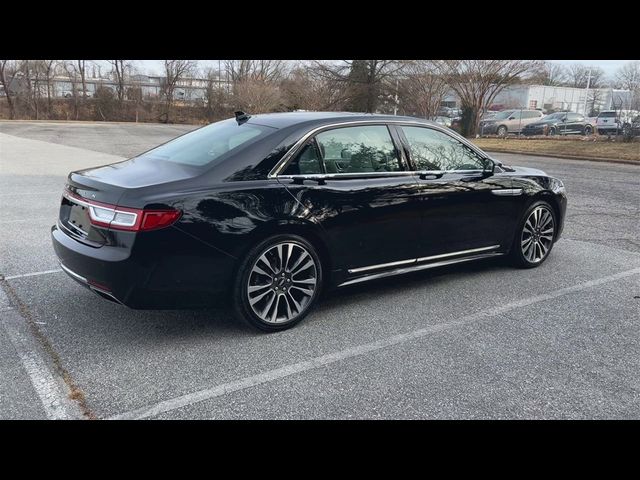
(560,123)
(508,121)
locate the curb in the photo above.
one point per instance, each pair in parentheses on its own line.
(571,157)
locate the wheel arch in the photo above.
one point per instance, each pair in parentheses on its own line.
(549,197)
(303,228)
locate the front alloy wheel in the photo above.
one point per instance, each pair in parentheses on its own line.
(536,235)
(280,280)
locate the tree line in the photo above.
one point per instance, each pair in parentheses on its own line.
(402,87)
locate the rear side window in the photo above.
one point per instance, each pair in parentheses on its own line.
(204,146)
(307,162)
(358,150)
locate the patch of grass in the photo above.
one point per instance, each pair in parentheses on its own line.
(577,147)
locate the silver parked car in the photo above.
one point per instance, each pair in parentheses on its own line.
(509,121)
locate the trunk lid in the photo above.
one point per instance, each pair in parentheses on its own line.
(105,186)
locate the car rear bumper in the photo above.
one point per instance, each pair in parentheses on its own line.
(149,275)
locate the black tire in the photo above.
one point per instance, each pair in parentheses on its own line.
(518,252)
(588,130)
(502,131)
(291,299)
(551,132)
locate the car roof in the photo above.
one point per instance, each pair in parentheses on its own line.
(288,119)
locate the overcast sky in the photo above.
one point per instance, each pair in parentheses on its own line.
(609,66)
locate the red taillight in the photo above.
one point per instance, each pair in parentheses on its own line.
(124,218)
(154,219)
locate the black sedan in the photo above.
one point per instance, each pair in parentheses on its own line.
(561,123)
(268,210)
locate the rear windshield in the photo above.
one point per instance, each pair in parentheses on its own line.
(607,115)
(204,146)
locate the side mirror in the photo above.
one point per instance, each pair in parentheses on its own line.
(489,168)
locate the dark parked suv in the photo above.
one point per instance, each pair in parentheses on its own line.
(561,123)
(268,210)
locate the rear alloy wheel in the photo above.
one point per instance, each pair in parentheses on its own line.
(278,283)
(535,236)
(502,131)
(588,130)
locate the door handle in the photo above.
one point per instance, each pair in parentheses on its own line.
(430,175)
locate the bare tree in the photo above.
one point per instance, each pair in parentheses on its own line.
(216,96)
(119,71)
(73,76)
(628,78)
(175,71)
(255,70)
(578,76)
(422,89)
(548,73)
(256,96)
(362,80)
(303,89)
(7,72)
(50,67)
(81,66)
(477,82)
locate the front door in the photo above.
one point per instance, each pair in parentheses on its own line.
(466,207)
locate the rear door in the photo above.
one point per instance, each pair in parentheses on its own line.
(575,123)
(465,207)
(355,181)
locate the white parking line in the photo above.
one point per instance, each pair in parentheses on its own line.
(317,362)
(49,390)
(34,274)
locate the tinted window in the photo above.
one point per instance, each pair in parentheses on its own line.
(503,115)
(307,162)
(607,115)
(434,150)
(205,145)
(358,149)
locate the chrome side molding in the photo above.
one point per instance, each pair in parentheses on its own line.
(415,268)
(422,259)
(507,192)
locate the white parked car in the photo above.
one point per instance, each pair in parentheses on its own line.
(608,122)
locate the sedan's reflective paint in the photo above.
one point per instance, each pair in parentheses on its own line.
(353,221)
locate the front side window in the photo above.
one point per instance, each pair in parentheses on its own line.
(207,144)
(434,150)
(358,150)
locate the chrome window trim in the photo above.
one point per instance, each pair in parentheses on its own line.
(275,171)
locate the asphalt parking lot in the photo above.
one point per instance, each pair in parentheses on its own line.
(475,341)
